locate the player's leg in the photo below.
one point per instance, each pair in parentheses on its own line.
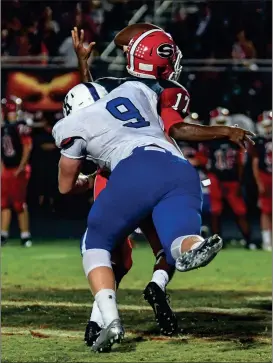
(265,205)
(235,199)
(5,223)
(121,206)
(215,194)
(182,242)
(121,259)
(155,291)
(5,204)
(95,323)
(206,216)
(177,218)
(266,229)
(20,184)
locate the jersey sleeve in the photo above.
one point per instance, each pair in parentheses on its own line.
(173,103)
(73,148)
(70,128)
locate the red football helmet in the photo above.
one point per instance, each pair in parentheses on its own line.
(11,108)
(264,125)
(220,116)
(153,54)
(193,118)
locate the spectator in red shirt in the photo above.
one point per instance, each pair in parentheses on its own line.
(16,145)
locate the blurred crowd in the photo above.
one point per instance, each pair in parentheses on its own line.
(32,28)
(203,29)
(224,29)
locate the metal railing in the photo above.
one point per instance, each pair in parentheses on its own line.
(118,63)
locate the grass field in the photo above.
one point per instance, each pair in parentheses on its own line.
(224,309)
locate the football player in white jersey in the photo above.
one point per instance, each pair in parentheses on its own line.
(155,291)
(124,135)
(81,96)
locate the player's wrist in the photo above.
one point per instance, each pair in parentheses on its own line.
(225,130)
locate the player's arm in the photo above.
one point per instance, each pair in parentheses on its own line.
(26,141)
(83,54)
(174,101)
(255,169)
(241,164)
(191,132)
(70,179)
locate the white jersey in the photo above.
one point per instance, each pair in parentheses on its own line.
(115,125)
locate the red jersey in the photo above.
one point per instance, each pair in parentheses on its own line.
(225,159)
(13,137)
(263,150)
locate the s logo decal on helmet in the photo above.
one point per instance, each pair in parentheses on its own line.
(165,50)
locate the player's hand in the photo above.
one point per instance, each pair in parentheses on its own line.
(86,181)
(82,52)
(239,136)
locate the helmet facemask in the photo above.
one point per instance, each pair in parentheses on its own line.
(174,76)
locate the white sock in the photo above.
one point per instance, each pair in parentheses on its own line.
(176,246)
(96,315)
(5,234)
(25,235)
(106,300)
(266,235)
(161,278)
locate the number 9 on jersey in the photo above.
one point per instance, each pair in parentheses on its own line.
(124,110)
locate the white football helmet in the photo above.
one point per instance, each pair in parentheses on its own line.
(264,124)
(220,117)
(243,121)
(82,95)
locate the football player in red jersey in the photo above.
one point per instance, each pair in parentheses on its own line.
(16,145)
(225,165)
(173,97)
(262,170)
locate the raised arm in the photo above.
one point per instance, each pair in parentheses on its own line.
(83,54)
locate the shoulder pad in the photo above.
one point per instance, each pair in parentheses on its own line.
(68,129)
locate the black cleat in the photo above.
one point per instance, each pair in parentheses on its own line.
(92,332)
(4,241)
(164,316)
(201,256)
